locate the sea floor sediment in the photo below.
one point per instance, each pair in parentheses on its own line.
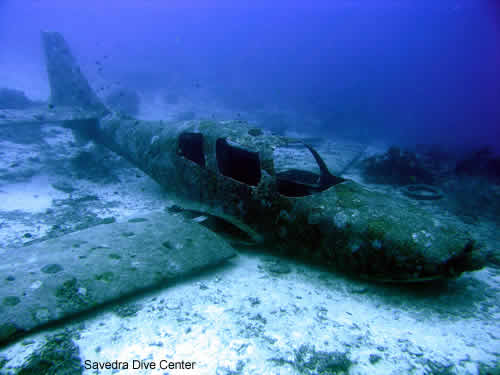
(259,313)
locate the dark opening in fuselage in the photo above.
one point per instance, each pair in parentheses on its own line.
(238,163)
(191,147)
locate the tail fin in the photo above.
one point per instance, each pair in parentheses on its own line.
(68,85)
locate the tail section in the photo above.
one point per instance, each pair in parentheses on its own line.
(68,85)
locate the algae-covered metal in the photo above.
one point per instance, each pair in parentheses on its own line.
(229,169)
(60,277)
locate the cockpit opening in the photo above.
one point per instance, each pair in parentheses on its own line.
(300,171)
(191,147)
(238,163)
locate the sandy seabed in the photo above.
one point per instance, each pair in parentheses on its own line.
(257,314)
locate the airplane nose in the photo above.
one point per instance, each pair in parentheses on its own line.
(387,260)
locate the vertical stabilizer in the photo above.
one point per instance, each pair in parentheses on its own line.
(68,86)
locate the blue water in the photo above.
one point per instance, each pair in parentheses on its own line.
(404,71)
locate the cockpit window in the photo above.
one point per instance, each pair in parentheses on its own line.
(238,163)
(191,147)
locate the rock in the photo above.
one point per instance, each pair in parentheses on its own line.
(13,99)
(127,310)
(396,167)
(59,355)
(309,361)
(279,268)
(64,187)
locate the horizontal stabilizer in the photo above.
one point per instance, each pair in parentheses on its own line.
(43,114)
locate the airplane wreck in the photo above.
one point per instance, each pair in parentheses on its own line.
(245,176)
